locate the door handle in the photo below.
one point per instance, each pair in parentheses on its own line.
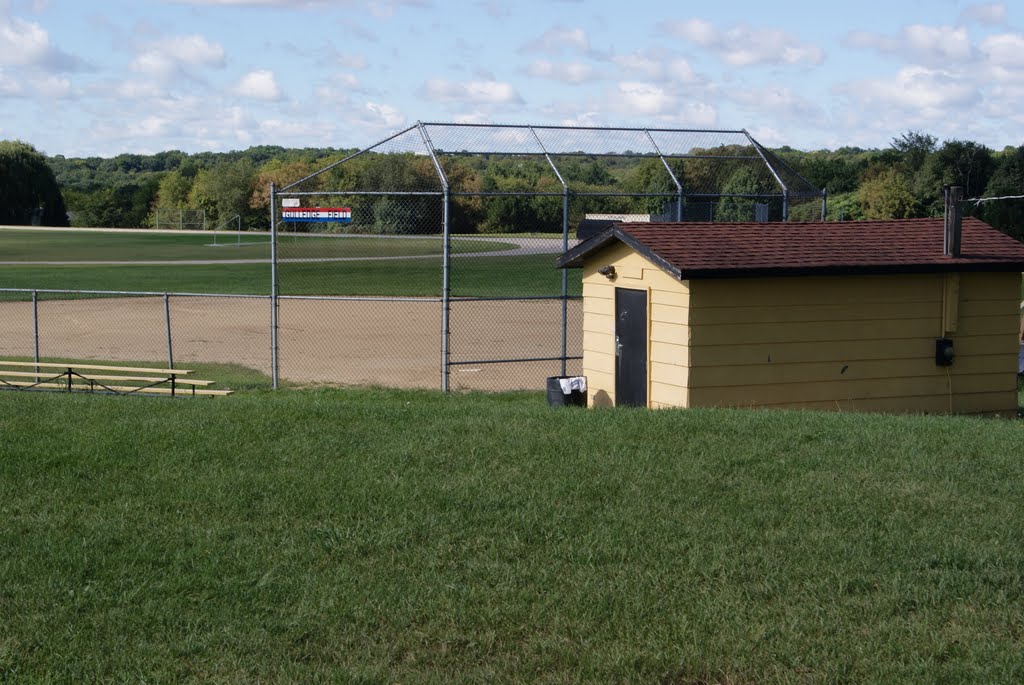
(618,347)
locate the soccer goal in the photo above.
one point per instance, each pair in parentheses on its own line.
(222,234)
(179,219)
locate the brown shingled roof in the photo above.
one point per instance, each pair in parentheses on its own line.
(689,250)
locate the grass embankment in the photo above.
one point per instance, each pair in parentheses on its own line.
(364,536)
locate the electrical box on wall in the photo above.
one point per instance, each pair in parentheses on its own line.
(944,352)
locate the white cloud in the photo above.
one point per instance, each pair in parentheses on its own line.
(778,99)
(25,43)
(743,46)
(154,64)
(286,4)
(634,98)
(929,45)
(928,93)
(766,135)
(348,60)
(479,92)
(187,123)
(194,50)
(472,118)
(570,72)
(344,83)
(991,13)
(138,90)
(583,119)
(295,129)
(697,114)
(657,66)
(169,57)
(385,9)
(495,8)
(557,40)
(339,88)
(9,87)
(646,98)
(381,116)
(1005,51)
(644,64)
(52,86)
(150,127)
(260,85)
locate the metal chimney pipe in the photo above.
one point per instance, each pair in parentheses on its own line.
(953,221)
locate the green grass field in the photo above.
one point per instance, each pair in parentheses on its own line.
(410,276)
(85,246)
(471,276)
(367,536)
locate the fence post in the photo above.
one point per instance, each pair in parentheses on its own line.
(167,320)
(565,278)
(35,328)
(273,285)
(446,293)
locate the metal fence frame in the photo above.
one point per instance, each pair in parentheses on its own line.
(166,296)
(776,166)
(528,136)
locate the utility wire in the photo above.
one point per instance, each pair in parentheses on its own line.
(978,200)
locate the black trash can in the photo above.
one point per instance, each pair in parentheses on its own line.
(558,398)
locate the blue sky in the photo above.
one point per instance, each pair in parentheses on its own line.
(102,77)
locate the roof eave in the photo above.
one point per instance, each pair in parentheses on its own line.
(574,258)
(856,270)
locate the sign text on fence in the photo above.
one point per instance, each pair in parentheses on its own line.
(338,214)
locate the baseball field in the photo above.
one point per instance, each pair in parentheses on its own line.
(394,338)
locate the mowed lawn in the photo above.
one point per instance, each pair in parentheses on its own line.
(380,536)
(411,267)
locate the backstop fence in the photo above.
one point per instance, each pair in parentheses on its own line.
(427,259)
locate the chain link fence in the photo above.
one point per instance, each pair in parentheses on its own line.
(439,243)
(147,329)
(426,260)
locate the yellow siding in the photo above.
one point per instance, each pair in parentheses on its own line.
(668,312)
(864,343)
(855,342)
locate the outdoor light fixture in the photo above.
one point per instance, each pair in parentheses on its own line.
(607,271)
(943,352)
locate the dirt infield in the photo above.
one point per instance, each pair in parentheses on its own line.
(388,343)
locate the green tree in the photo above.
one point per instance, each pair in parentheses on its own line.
(1007,180)
(754,183)
(650,176)
(28,188)
(224,190)
(887,196)
(958,162)
(173,191)
(124,206)
(915,148)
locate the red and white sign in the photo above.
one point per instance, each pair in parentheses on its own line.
(338,214)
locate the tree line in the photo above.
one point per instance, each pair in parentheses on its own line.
(500,193)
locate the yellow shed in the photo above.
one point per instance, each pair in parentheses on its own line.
(869,315)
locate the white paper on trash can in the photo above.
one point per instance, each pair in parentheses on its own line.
(573,383)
